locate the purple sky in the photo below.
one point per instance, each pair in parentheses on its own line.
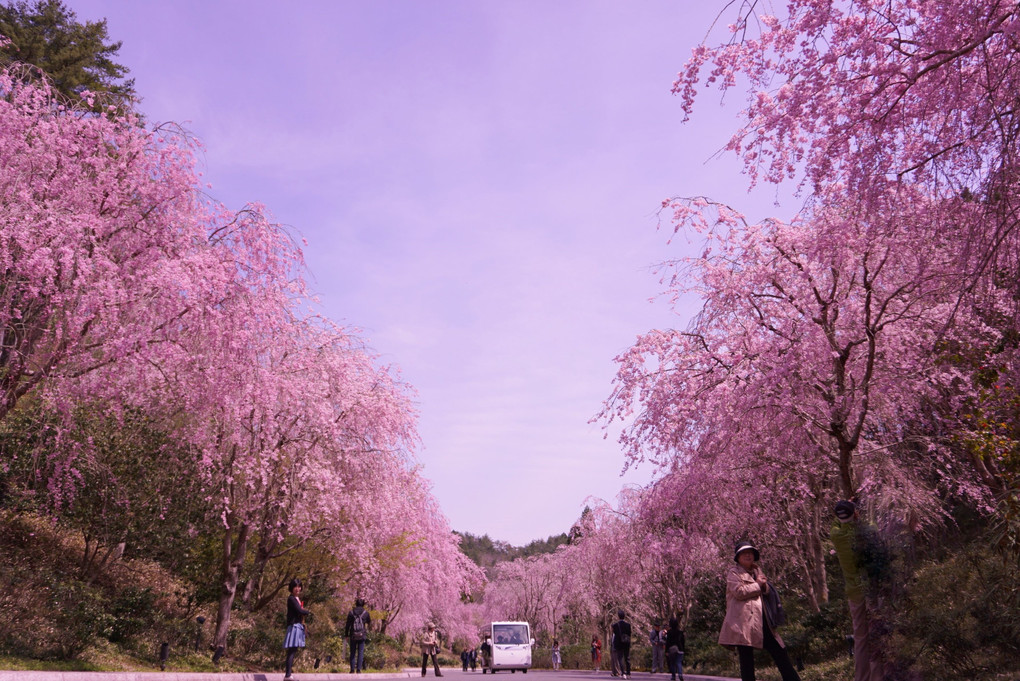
(478,183)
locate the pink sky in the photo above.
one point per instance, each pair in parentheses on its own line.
(478,183)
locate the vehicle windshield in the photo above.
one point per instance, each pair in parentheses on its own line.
(510,633)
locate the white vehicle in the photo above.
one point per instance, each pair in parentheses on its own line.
(511,647)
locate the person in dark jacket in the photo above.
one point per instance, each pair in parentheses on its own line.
(487,652)
(675,644)
(621,642)
(295,638)
(357,634)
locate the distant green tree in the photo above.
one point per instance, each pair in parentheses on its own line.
(75,56)
(487,553)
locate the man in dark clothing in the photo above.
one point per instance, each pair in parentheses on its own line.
(621,643)
(356,631)
(486,650)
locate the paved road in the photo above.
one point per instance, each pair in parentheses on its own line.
(562,675)
(449,674)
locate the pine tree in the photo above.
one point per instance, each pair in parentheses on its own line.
(75,56)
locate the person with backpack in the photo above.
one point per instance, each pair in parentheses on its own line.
(864,560)
(621,642)
(674,641)
(356,631)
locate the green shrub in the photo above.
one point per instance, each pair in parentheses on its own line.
(81,615)
(576,656)
(819,636)
(133,610)
(961,616)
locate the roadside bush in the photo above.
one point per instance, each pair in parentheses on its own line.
(134,610)
(961,616)
(818,636)
(376,654)
(576,656)
(81,614)
(706,656)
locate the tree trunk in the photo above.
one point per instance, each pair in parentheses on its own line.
(233,561)
(816,560)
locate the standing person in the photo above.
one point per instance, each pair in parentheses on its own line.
(596,653)
(556,655)
(486,649)
(675,644)
(473,658)
(745,626)
(356,631)
(656,642)
(621,642)
(662,642)
(614,658)
(295,638)
(430,646)
(464,660)
(853,549)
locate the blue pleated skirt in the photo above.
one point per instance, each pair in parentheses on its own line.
(295,637)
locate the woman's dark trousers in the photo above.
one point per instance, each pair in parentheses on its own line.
(425,662)
(778,653)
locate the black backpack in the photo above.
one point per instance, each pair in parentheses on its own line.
(358,627)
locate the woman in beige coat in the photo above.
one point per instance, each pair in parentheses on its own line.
(745,627)
(429,640)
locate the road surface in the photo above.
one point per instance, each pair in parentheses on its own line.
(450,674)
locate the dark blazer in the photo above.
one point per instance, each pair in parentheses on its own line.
(620,628)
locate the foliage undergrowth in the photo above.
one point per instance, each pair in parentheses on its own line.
(53,619)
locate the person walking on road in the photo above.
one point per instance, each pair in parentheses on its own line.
(356,631)
(556,655)
(621,642)
(430,646)
(745,626)
(596,653)
(295,637)
(674,643)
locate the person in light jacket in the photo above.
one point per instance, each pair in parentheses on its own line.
(745,627)
(429,641)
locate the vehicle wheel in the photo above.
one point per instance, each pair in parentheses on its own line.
(513,671)
(524,671)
